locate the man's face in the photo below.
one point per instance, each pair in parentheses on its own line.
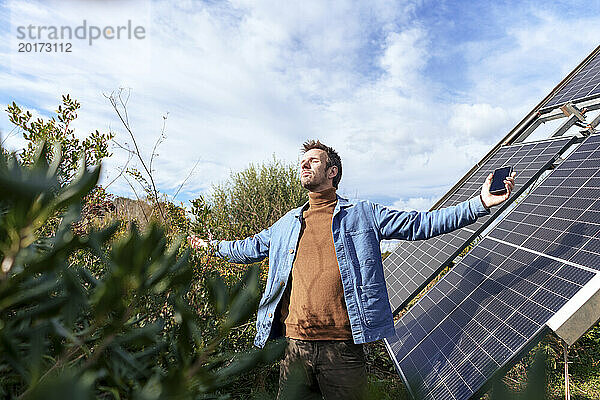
(313,171)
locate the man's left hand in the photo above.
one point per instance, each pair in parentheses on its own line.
(489,200)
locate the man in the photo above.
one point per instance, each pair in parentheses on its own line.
(325,290)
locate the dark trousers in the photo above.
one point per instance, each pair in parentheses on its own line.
(316,369)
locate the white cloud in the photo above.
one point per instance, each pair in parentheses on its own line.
(478,121)
(405,56)
(415,203)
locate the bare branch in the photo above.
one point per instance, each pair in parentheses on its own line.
(160,139)
(124,102)
(122,170)
(124,147)
(125,121)
(186,178)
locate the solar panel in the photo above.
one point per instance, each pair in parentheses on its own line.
(479,317)
(561,217)
(584,85)
(413,264)
(493,304)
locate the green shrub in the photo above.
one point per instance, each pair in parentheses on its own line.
(58,129)
(66,333)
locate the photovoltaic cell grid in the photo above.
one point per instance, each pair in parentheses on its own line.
(413,264)
(585,84)
(561,217)
(478,317)
(500,296)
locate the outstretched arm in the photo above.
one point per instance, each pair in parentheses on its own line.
(413,225)
(252,249)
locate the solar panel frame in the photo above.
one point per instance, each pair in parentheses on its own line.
(584,85)
(553,281)
(416,258)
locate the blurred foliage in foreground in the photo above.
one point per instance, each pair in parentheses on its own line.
(66,333)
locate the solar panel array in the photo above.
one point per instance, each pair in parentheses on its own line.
(498,299)
(413,264)
(583,85)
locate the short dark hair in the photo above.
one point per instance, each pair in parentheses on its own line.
(333,157)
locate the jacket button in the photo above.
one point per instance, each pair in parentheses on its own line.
(291,251)
(281,283)
(270,315)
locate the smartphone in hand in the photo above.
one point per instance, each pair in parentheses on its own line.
(500,174)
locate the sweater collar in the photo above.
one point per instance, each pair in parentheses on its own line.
(326,197)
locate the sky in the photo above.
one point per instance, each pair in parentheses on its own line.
(411,94)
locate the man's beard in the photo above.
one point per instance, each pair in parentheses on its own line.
(313,182)
(310,186)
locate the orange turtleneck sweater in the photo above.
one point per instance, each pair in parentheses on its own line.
(313,306)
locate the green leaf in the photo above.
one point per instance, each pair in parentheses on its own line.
(219,296)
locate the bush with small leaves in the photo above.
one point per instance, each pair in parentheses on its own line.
(58,129)
(66,333)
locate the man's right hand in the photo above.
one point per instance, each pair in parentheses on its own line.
(197,243)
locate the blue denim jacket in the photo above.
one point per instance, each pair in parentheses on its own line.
(358,228)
